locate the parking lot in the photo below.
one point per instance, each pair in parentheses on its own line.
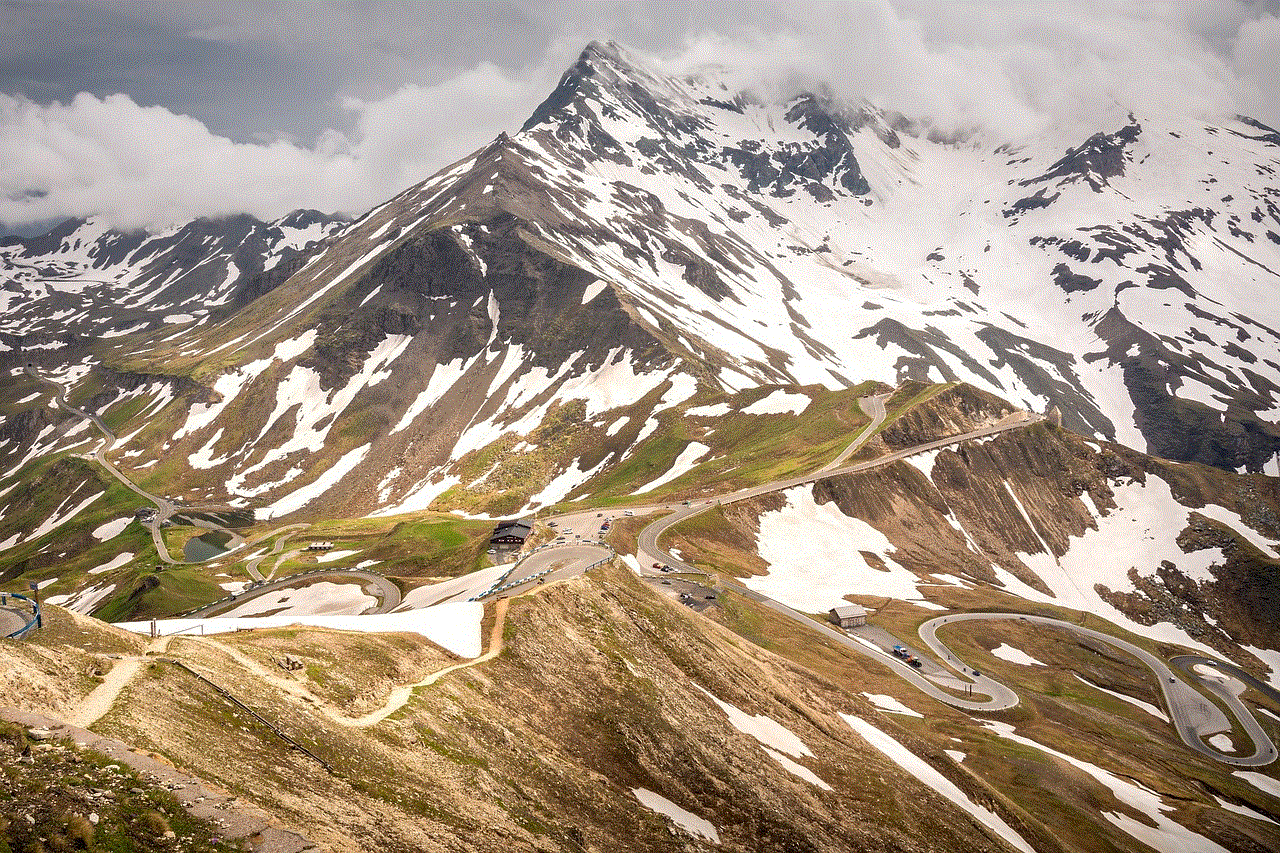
(690,593)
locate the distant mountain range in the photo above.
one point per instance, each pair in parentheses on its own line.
(644,239)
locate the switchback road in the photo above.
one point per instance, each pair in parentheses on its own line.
(386,591)
(165,508)
(1190,711)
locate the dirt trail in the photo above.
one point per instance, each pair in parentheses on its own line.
(98,702)
(237,819)
(396,699)
(400,696)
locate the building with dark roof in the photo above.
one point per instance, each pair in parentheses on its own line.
(511,533)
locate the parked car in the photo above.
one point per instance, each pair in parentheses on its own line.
(657,565)
(493,550)
(667,582)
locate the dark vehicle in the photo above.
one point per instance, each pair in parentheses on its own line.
(915,662)
(709,597)
(977,674)
(552,524)
(668,583)
(657,565)
(900,651)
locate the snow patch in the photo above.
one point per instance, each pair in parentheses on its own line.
(889,703)
(330,556)
(297,500)
(1137,703)
(1004,651)
(780,402)
(1221,742)
(314,599)
(812,552)
(796,768)
(683,463)
(111,529)
(454,626)
(114,563)
(1263,783)
(686,820)
(922,770)
(765,729)
(1166,834)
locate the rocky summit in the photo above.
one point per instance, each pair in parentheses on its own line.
(880,488)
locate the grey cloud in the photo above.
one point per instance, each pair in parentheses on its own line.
(338,106)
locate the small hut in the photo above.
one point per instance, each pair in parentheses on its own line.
(849,615)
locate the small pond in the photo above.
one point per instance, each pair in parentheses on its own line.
(206,546)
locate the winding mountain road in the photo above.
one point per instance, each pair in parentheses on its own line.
(165,508)
(1191,712)
(387,592)
(648,541)
(283,534)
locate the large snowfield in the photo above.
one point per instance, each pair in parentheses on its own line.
(454,626)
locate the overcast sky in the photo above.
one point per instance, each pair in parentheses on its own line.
(158,112)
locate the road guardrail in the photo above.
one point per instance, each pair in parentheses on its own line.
(502,584)
(36,617)
(235,596)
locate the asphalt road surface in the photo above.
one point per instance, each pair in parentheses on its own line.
(650,551)
(165,508)
(13,619)
(563,561)
(1187,707)
(1232,698)
(387,591)
(282,536)
(1190,711)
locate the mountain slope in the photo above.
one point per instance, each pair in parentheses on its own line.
(645,236)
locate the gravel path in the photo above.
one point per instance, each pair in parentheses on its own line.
(235,818)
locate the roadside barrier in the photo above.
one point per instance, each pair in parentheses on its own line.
(36,618)
(235,596)
(271,726)
(502,584)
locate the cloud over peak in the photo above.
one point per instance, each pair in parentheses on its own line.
(1012,68)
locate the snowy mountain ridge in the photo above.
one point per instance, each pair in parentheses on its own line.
(644,236)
